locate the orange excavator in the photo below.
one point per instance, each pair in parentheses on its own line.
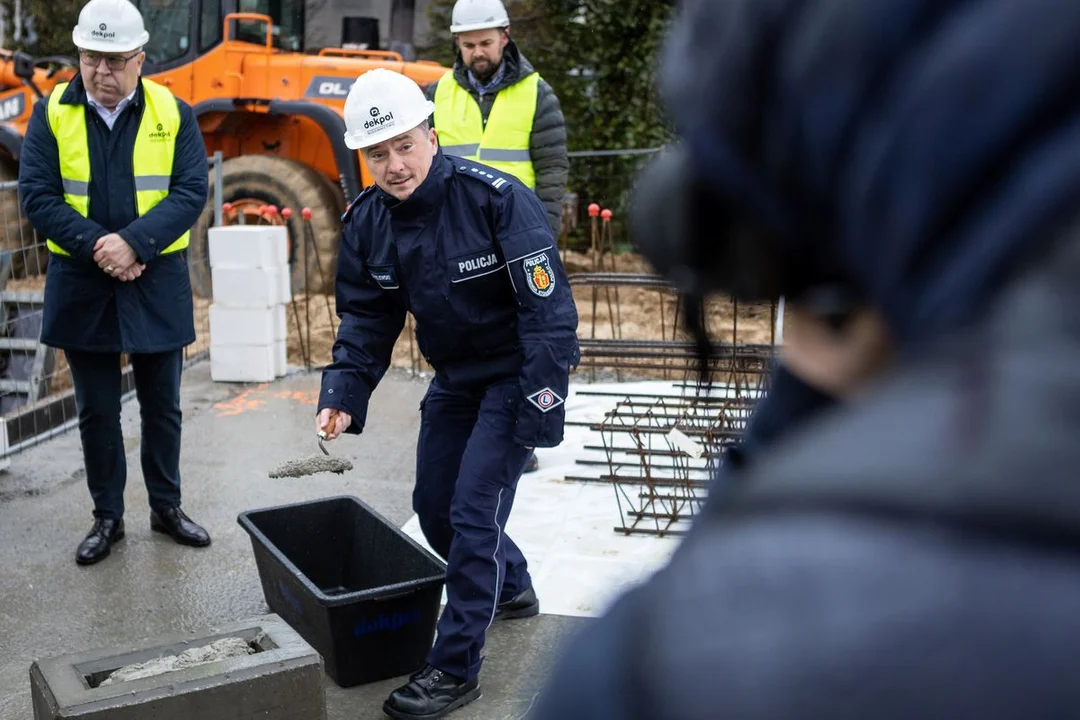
(273,111)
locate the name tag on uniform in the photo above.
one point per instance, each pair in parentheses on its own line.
(384,275)
(474,265)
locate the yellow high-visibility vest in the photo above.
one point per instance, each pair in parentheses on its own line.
(151,159)
(504,143)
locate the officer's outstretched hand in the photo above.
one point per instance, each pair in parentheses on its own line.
(332,422)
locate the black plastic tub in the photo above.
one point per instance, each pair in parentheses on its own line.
(364,594)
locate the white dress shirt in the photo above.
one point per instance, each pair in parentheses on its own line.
(110,116)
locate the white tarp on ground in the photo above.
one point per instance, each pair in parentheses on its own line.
(577,560)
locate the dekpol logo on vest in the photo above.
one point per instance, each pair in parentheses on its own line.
(160,134)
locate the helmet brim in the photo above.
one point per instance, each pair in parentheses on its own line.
(84,43)
(455,29)
(355,142)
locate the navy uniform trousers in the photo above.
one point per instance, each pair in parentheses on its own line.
(97,397)
(467,469)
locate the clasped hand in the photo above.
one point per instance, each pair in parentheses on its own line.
(113,255)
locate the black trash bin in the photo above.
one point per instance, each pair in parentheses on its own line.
(364,594)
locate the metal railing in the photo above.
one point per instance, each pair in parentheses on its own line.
(37,398)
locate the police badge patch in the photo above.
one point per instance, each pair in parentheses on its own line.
(539,275)
(545,399)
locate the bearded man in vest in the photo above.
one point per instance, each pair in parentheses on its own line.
(113,174)
(494,108)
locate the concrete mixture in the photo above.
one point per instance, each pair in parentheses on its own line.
(219,650)
(311,465)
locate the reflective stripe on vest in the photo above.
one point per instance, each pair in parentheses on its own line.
(151,160)
(504,143)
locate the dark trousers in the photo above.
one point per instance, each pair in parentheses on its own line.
(467,469)
(97,395)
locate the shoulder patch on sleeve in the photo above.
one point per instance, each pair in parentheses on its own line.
(484,174)
(356,201)
(538,274)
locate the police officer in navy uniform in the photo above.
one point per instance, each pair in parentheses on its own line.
(469,251)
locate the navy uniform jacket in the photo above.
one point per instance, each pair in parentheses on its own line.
(472,256)
(85,309)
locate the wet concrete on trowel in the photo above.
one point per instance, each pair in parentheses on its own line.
(150,586)
(311,465)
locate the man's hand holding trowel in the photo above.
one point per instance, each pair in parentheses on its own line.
(330,423)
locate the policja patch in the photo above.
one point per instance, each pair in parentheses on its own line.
(539,275)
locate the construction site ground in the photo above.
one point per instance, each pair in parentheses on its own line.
(233,435)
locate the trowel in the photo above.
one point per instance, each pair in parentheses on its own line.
(313,463)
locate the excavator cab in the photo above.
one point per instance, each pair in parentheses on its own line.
(182,30)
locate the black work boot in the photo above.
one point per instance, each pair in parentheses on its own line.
(522,605)
(532,465)
(98,542)
(430,693)
(182,529)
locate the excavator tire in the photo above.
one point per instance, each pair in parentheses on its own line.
(252,180)
(29,255)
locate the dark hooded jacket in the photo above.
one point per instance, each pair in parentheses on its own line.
(914,553)
(547,143)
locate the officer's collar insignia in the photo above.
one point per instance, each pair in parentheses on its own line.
(545,399)
(539,275)
(496,181)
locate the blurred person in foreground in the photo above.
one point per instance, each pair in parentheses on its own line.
(907,546)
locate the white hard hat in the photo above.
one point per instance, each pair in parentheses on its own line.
(383,104)
(469,15)
(110,26)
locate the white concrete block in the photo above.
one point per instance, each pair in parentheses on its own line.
(241,326)
(281,322)
(281,357)
(285,277)
(242,363)
(248,246)
(247,287)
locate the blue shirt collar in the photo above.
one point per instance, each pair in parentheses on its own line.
(489,87)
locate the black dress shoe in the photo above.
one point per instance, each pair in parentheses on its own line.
(430,693)
(97,545)
(522,605)
(173,521)
(533,464)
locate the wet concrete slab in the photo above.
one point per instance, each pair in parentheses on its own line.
(151,586)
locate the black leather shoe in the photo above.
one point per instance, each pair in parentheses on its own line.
(533,465)
(98,544)
(430,693)
(522,605)
(173,521)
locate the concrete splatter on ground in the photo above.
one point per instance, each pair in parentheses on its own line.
(219,650)
(311,465)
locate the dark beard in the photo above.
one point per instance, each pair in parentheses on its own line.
(484,77)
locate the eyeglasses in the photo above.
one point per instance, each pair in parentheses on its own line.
(113,62)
